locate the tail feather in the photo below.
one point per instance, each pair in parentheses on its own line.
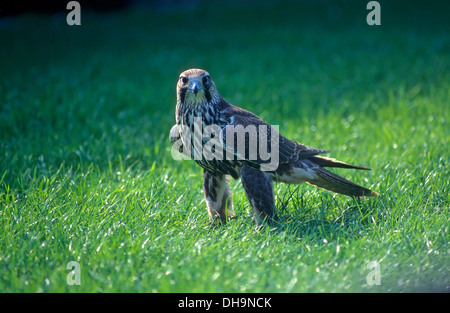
(329,162)
(330,181)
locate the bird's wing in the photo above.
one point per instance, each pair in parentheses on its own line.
(174,134)
(249,138)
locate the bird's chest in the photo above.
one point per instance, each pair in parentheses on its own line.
(200,130)
(195,117)
(200,124)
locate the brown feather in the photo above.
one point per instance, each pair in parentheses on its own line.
(330,181)
(330,162)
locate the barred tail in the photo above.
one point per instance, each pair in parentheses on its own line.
(329,162)
(330,181)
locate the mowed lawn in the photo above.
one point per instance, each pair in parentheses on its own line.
(86,172)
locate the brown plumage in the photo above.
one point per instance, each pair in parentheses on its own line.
(235,147)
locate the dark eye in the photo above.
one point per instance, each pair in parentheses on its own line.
(184,80)
(205,80)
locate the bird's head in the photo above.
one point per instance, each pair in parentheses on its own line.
(195,88)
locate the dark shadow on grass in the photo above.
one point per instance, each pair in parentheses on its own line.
(324,217)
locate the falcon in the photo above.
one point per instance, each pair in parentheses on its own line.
(226,140)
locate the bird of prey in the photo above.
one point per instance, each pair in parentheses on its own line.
(226,140)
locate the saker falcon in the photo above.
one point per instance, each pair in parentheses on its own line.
(200,107)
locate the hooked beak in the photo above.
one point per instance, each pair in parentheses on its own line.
(194,87)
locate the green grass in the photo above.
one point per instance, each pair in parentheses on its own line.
(86,172)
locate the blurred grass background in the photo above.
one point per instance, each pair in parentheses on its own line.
(85,166)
